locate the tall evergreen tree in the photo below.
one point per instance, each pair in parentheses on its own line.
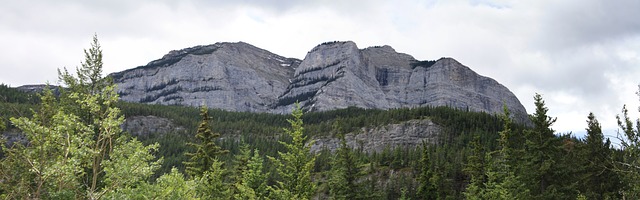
(502,182)
(476,170)
(206,149)
(597,179)
(629,167)
(295,165)
(426,188)
(345,172)
(542,150)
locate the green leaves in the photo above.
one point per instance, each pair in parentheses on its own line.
(295,165)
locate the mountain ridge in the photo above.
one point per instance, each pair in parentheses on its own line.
(241,77)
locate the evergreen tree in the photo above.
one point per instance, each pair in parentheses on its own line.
(502,182)
(295,165)
(597,179)
(253,182)
(344,174)
(476,170)
(426,188)
(541,155)
(629,166)
(206,149)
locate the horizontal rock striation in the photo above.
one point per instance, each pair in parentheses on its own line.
(406,134)
(229,76)
(333,75)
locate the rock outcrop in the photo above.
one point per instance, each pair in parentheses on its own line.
(145,125)
(333,75)
(229,76)
(406,134)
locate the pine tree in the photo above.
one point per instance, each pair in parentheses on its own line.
(542,150)
(206,149)
(426,188)
(629,167)
(253,181)
(344,174)
(476,170)
(597,180)
(295,165)
(502,182)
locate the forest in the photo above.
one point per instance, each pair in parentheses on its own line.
(72,146)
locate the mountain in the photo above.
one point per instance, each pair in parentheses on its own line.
(333,75)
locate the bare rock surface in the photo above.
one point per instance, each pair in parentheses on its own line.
(145,125)
(333,75)
(406,134)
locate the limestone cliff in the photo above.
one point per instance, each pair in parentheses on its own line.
(333,75)
(229,76)
(406,134)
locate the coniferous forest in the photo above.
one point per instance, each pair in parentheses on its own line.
(71,146)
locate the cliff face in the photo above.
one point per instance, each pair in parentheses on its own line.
(241,77)
(406,134)
(339,75)
(230,76)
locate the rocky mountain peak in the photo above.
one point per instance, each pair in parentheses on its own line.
(242,77)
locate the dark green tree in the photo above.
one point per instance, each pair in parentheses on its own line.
(476,170)
(541,154)
(426,188)
(598,181)
(629,166)
(502,182)
(345,172)
(206,149)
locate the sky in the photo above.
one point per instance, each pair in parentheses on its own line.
(581,55)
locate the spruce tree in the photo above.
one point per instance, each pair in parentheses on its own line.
(541,153)
(426,188)
(502,182)
(253,181)
(206,149)
(344,174)
(294,166)
(594,170)
(629,166)
(476,170)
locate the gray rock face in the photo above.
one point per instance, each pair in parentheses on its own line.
(407,134)
(241,77)
(145,125)
(339,75)
(230,76)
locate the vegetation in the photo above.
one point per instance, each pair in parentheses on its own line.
(73,148)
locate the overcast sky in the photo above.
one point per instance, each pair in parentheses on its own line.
(581,55)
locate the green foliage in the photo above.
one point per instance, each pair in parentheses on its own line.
(476,170)
(74,143)
(345,172)
(253,181)
(629,166)
(426,188)
(13,95)
(542,151)
(211,185)
(598,181)
(207,150)
(295,165)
